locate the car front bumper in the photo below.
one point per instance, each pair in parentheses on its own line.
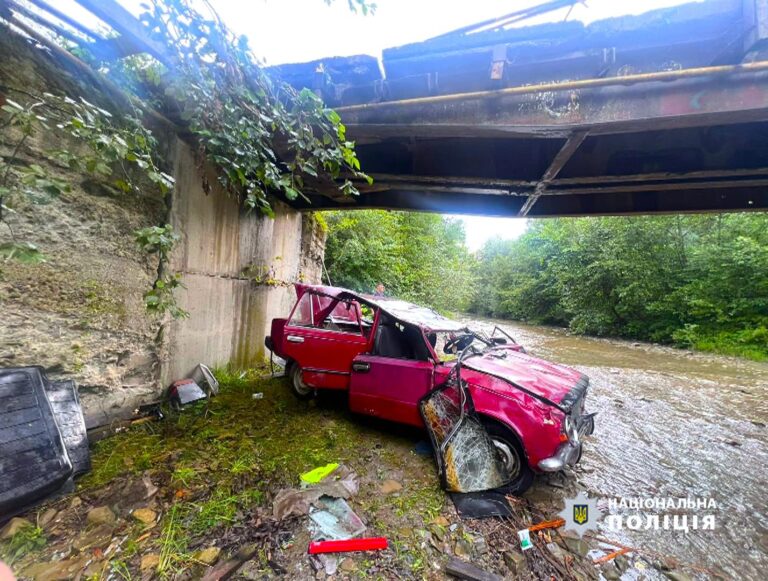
(568,453)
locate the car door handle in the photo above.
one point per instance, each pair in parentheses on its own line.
(295,339)
(361,367)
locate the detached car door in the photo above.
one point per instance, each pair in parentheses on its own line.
(323,336)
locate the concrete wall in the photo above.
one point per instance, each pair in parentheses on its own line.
(80,314)
(238,270)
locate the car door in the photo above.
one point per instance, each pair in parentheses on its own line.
(324,354)
(390,388)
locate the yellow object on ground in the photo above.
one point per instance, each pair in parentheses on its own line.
(318,474)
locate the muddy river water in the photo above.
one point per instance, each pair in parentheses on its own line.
(673,424)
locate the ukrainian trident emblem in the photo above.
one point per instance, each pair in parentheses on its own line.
(580,513)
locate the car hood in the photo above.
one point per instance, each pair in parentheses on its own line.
(556,383)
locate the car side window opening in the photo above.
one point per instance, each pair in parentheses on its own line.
(324,312)
(400,340)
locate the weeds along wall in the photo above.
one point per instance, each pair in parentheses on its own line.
(80,313)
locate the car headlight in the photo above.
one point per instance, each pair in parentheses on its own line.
(570,429)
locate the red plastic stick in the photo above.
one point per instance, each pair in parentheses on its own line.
(369,544)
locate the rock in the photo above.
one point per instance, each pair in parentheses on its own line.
(441,521)
(14,526)
(677,576)
(556,551)
(463,549)
(95,570)
(56,570)
(101,515)
(47,517)
(438,532)
(610,572)
(252,571)
(96,537)
(144,515)
(390,486)
(75,502)
(347,565)
(480,546)
(515,562)
(577,545)
(149,561)
(405,533)
(209,555)
(622,563)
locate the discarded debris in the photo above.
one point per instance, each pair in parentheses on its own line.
(525,539)
(318,474)
(464,570)
(485,504)
(333,519)
(45,445)
(611,556)
(184,392)
(340,482)
(348,545)
(257,395)
(204,377)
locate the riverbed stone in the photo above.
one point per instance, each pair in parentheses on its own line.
(677,576)
(515,562)
(56,570)
(577,545)
(47,517)
(93,538)
(144,515)
(149,561)
(390,486)
(209,555)
(13,526)
(100,515)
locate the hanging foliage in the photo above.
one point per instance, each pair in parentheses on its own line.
(263,135)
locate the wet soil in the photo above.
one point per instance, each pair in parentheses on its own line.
(673,424)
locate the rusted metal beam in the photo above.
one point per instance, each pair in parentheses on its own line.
(624,80)
(667,187)
(557,113)
(597,204)
(661,176)
(558,162)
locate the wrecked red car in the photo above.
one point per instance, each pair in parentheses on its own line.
(389,355)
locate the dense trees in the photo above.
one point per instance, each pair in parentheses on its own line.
(420,257)
(693,281)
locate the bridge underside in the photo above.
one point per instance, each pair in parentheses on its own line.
(621,127)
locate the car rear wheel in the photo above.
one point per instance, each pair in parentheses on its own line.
(512,457)
(300,389)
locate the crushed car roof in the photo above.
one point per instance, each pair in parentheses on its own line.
(404,311)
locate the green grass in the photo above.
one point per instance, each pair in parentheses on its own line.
(224,457)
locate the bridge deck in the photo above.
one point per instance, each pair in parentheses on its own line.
(662,112)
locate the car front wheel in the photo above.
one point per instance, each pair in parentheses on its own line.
(512,457)
(300,389)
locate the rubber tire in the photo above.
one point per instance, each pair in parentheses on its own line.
(525,475)
(294,377)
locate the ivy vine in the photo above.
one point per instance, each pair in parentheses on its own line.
(265,137)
